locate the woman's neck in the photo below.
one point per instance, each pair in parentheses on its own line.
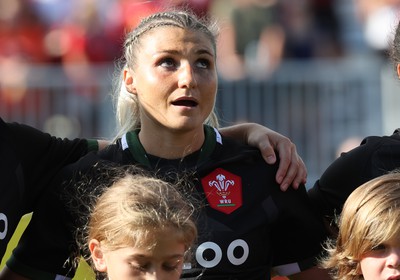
(171,144)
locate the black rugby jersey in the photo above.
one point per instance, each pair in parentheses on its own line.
(29,159)
(376,156)
(248,226)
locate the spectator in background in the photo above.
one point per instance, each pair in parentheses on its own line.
(258,34)
(85,34)
(201,8)
(21,34)
(80,31)
(88,32)
(252,38)
(311,29)
(378,19)
(329,44)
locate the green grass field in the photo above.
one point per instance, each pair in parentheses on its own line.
(84,271)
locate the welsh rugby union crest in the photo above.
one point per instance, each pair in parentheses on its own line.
(223,190)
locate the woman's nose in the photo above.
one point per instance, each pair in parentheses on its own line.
(187,77)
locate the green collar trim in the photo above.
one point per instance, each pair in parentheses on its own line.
(131,141)
(136,148)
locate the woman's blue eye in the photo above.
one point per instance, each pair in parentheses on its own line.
(203,63)
(168,62)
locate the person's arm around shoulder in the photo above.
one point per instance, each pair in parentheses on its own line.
(291,171)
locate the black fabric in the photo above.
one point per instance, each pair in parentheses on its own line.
(278,228)
(29,159)
(374,157)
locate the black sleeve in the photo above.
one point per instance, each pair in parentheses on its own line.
(51,234)
(57,224)
(374,157)
(41,156)
(298,232)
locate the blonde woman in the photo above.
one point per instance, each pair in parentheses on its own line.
(167,92)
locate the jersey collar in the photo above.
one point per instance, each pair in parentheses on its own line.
(131,141)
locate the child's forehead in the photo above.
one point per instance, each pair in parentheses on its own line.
(154,236)
(395,240)
(383,233)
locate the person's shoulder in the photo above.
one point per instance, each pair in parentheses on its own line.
(370,146)
(396,133)
(14,131)
(393,139)
(112,155)
(33,141)
(247,159)
(378,148)
(2,123)
(236,145)
(230,150)
(375,156)
(234,148)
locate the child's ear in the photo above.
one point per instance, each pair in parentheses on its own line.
(97,256)
(398,70)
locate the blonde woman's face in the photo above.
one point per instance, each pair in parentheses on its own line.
(175,79)
(163,263)
(382,263)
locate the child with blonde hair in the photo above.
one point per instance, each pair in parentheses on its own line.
(368,243)
(140,227)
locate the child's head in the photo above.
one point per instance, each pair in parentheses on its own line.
(140,225)
(369,225)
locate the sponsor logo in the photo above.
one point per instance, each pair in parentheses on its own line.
(223,190)
(217,253)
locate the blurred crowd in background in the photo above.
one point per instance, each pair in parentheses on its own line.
(256,35)
(264,31)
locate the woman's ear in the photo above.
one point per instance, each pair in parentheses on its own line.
(97,255)
(129,81)
(398,70)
